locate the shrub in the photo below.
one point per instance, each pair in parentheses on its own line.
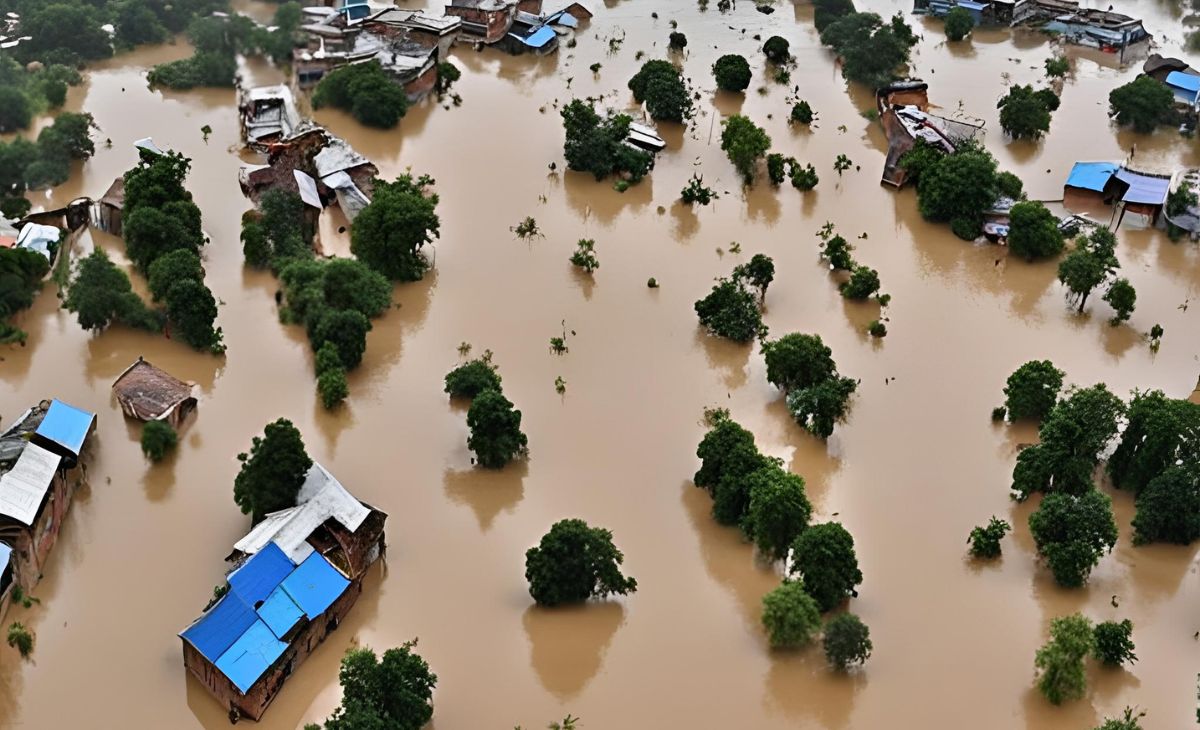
(790,616)
(847,641)
(732,72)
(802,113)
(158,438)
(985,541)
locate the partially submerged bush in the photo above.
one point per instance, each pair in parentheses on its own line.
(158,438)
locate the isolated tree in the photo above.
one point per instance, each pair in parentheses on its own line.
(677,41)
(1168,508)
(1072,533)
(802,113)
(1089,264)
(985,541)
(820,407)
(179,265)
(496,436)
(1025,113)
(395,692)
(1032,390)
(823,556)
(958,23)
(1114,642)
(158,438)
(759,272)
(1060,660)
(776,49)
(1122,297)
(101,294)
(575,562)
(192,310)
(730,311)
(473,377)
(790,616)
(863,282)
(847,641)
(661,88)
(732,72)
(778,511)
(273,472)
(401,218)
(798,361)
(1033,231)
(1144,103)
(744,143)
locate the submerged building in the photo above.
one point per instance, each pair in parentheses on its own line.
(298,573)
(1096,186)
(904,114)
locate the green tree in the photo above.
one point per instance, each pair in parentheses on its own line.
(389,233)
(1057,67)
(1033,231)
(820,407)
(847,641)
(801,113)
(985,541)
(350,284)
(585,255)
(365,91)
(1128,721)
(158,438)
(179,265)
(15,109)
(347,330)
(332,386)
(101,294)
(596,144)
(1072,437)
(803,178)
(473,377)
(828,11)
(759,272)
(1122,297)
(1144,103)
(152,232)
(1024,113)
(823,556)
(1114,642)
(732,72)
(744,143)
(1168,508)
(61,32)
(957,187)
(775,168)
(863,282)
(727,452)
(1072,533)
(798,361)
(20,638)
(730,311)
(837,251)
(778,510)
(777,50)
(192,309)
(677,41)
(138,25)
(1032,390)
(496,436)
(958,23)
(659,85)
(1060,660)
(871,50)
(273,472)
(790,616)
(394,693)
(575,562)
(1087,266)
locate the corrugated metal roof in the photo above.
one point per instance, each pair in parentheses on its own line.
(23,488)
(315,585)
(214,632)
(336,156)
(1146,189)
(321,497)
(1091,175)
(37,237)
(308,188)
(66,426)
(250,656)
(259,575)
(1184,81)
(539,37)
(279,612)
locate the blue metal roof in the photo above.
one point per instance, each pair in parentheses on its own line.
(259,575)
(217,630)
(1091,175)
(1189,82)
(315,585)
(539,37)
(5,552)
(279,612)
(66,426)
(969,5)
(250,656)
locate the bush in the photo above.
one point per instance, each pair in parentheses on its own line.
(1033,231)
(847,641)
(958,23)
(472,378)
(575,562)
(157,439)
(496,436)
(776,49)
(730,311)
(985,541)
(732,72)
(1114,645)
(802,113)
(1032,390)
(21,639)
(790,616)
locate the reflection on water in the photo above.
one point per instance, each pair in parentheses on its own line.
(567,644)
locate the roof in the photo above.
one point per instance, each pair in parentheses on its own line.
(1144,188)
(1189,82)
(66,426)
(150,392)
(539,37)
(308,188)
(115,195)
(481,4)
(350,198)
(243,633)
(971,5)
(5,554)
(24,487)
(1091,175)
(336,156)
(37,237)
(417,19)
(321,498)
(148,145)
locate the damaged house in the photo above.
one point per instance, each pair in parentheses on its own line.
(40,470)
(268,114)
(516,26)
(298,573)
(147,393)
(1093,187)
(1101,29)
(904,113)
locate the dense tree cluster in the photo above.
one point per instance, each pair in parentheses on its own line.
(366,92)
(575,562)
(957,188)
(802,366)
(1025,113)
(28,165)
(660,86)
(25,91)
(217,41)
(277,231)
(389,233)
(21,272)
(597,145)
(394,692)
(272,472)
(101,294)
(871,50)
(728,456)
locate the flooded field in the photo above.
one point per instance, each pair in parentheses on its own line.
(917,464)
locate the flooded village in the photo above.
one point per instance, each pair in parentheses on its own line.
(345,326)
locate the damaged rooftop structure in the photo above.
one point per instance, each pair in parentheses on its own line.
(904,114)
(517,26)
(1094,187)
(1102,29)
(297,574)
(268,114)
(147,393)
(41,455)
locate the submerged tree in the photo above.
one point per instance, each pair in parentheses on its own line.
(731,311)
(401,218)
(985,541)
(1168,508)
(1114,642)
(585,255)
(1025,113)
(575,562)
(847,641)
(744,143)
(158,438)
(790,616)
(1092,261)
(395,692)
(1071,439)
(1060,660)
(596,144)
(496,436)
(732,72)
(1144,103)
(1129,720)
(660,86)
(473,377)
(819,408)
(823,556)
(958,23)
(759,272)
(101,294)
(871,50)
(1033,231)
(778,510)
(1032,390)
(797,361)
(364,90)
(1072,533)
(1122,297)
(273,472)
(697,192)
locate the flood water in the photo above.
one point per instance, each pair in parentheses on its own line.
(917,464)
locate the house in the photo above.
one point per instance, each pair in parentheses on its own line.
(147,393)
(1094,184)
(1159,67)
(298,574)
(40,470)
(431,31)
(268,114)
(1102,29)
(108,210)
(904,114)
(410,61)
(529,33)
(490,20)
(1185,87)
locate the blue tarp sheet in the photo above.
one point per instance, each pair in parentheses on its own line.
(216,631)
(279,612)
(259,575)
(1091,175)
(315,585)
(1184,81)
(252,654)
(5,552)
(1143,188)
(539,37)
(66,426)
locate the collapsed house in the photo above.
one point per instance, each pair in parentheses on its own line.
(298,573)
(1095,186)
(516,26)
(904,114)
(1102,29)
(40,470)
(1188,219)
(268,114)
(147,393)
(110,207)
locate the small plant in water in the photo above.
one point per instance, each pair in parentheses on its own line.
(22,598)
(621,186)
(696,191)
(841,164)
(527,228)
(985,541)
(735,247)
(999,413)
(802,113)
(652,283)
(595,67)
(585,255)
(558,345)
(464,348)
(1156,335)
(206,131)
(877,329)
(20,639)
(560,385)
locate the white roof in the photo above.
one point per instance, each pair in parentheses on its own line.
(148,145)
(23,488)
(38,238)
(308,188)
(321,497)
(350,198)
(336,156)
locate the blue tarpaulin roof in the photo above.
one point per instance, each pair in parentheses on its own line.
(1144,188)
(5,552)
(315,585)
(279,612)
(1190,82)
(539,37)
(252,654)
(259,575)
(66,426)
(214,632)
(1091,175)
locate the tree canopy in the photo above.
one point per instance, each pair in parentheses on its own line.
(1025,113)
(778,510)
(731,311)
(1033,231)
(1032,390)
(847,641)
(473,377)
(958,23)
(101,294)
(1072,532)
(871,50)
(797,361)
(759,272)
(1114,642)
(732,72)
(1059,661)
(955,188)
(1071,439)
(660,86)
(1090,263)
(1168,508)
(823,556)
(1143,103)
(575,562)
(790,616)
(596,144)
(389,233)
(728,457)
(364,90)
(776,49)
(394,692)
(273,472)
(744,143)
(496,436)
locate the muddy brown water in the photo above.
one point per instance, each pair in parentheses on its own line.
(917,464)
